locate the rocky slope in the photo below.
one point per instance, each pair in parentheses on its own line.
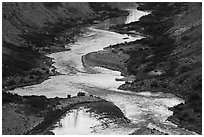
(31,30)
(169,58)
(34,114)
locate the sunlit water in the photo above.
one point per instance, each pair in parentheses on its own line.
(143,109)
(75,121)
(134,15)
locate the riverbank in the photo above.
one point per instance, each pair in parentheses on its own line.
(169,59)
(152,79)
(25,62)
(147,131)
(107,58)
(104,112)
(35,114)
(28,63)
(62,107)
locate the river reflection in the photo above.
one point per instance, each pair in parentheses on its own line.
(76,121)
(82,121)
(134,15)
(106,24)
(141,109)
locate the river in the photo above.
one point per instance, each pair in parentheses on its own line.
(143,109)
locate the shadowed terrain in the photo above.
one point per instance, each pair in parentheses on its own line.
(168,59)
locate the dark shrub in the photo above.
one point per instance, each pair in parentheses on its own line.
(9,97)
(36,72)
(38,102)
(11,82)
(68,96)
(80,94)
(154,84)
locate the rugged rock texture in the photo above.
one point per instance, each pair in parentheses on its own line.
(34,114)
(169,59)
(19,18)
(31,30)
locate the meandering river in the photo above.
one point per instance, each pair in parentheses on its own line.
(143,109)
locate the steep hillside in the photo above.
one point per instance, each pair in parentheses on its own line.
(31,30)
(169,59)
(19,18)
